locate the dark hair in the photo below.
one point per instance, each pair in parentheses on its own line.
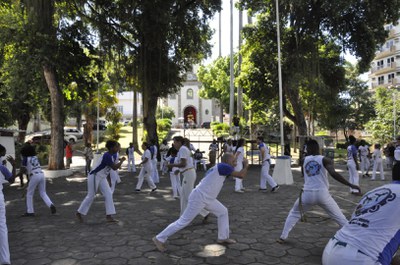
(352,139)
(179,139)
(2,149)
(110,144)
(173,151)
(377,146)
(260,138)
(28,150)
(312,147)
(240,143)
(396,171)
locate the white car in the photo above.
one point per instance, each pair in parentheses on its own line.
(73,131)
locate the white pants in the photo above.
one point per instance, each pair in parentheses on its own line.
(310,198)
(238,181)
(114,177)
(94,183)
(365,164)
(335,254)
(353,174)
(266,177)
(131,160)
(378,166)
(36,180)
(145,174)
(189,177)
(154,174)
(163,164)
(175,184)
(4,248)
(194,207)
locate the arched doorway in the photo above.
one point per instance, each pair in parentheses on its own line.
(190,116)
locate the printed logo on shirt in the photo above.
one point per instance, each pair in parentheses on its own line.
(373,201)
(312,168)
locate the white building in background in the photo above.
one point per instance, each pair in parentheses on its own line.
(385,68)
(186,104)
(125,104)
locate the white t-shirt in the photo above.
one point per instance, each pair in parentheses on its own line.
(212,183)
(374,227)
(351,152)
(185,153)
(377,155)
(228,148)
(264,152)
(239,158)
(33,165)
(148,165)
(131,151)
(364,150)
(315,176)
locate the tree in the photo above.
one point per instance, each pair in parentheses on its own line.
(313,35)
(165,113)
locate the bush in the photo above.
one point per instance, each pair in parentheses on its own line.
(163,128)
(220,129)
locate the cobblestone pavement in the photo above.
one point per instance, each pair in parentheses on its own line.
(256,220)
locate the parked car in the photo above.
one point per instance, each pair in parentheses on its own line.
(206,125)
(45,138)
(73,131)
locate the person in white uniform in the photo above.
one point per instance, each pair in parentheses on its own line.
(204,196)
(378,165)
(265,164)
(184,163)
(239,155)
(98,179)
(174,174)
(130,153)
(372,236)
(5,176)
(363,149)
(352,164)
(227,147)
(153,149)
(146,170)
(114,176)
(315,190)
(163,153)
(36,179)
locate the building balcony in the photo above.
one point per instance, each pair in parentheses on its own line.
(386,52)
(392,82)
(384,69)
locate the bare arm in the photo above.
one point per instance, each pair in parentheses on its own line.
(118,165)
(328,164)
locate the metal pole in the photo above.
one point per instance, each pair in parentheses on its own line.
(280,77)
(98,118)
(232,89)
(239,89)
(394,115)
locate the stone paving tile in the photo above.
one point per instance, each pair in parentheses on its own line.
(256,220)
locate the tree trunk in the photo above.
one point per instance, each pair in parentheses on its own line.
(56,156)
(23,121)
(134,124)
(149,116)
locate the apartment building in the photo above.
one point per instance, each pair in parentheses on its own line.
(385,68)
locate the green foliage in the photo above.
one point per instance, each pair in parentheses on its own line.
(163,128)
(165,113)
(381,127)
(220,129)
(114,126)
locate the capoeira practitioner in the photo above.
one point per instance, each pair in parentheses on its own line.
(352,164)
(239,155)
(114,176)
(315,190)
(266,162)
(154,175)
(36,179)
(371,237)
(364,153)
(204,196)
(5,176)
(146,170)
(163,152)
(98,178)
(130,152)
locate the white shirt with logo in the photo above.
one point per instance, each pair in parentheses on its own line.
(315,175)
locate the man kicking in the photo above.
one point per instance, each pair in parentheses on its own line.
(204,196)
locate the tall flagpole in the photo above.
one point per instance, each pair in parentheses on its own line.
(280,77)
(232,89)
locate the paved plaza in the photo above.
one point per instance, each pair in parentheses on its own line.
(256,220)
